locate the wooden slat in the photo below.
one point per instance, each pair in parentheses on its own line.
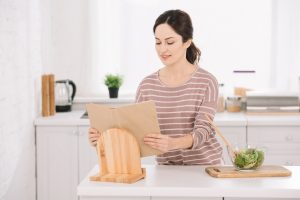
(119,157)
(45,96)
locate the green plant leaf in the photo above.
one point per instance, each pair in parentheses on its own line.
(113,81)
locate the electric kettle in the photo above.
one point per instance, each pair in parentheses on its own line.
(65,91)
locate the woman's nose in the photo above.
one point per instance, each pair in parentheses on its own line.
(162,48)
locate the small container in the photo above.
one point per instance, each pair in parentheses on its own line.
(233,104)
(221,100)
(299,91)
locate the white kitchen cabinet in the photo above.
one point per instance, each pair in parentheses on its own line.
(158,198)
(87,155)
(239,198)
(186,198)
(236,135)
(115,198)
(57,162)
(64,157)
(281,143)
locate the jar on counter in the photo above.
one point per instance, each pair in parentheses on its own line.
(233,104)
(221,100)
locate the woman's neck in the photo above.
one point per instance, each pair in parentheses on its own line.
(181,68)
(177,74)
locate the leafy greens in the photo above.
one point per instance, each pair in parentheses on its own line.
(249,158)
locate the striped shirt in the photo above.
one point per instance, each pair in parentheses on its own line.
(181,110)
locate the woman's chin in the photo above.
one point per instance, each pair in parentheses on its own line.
(167,62)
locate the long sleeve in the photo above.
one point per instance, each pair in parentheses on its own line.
(139,96)
(202,128)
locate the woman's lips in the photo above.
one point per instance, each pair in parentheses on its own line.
(165,57)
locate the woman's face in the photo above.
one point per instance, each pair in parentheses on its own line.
(169,45)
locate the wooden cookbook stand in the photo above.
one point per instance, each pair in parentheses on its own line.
(119,157)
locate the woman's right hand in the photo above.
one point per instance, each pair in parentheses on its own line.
(94,135)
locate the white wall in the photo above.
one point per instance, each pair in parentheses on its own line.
(20,67)
(286,45)
(233,34)
(229,34)
(64,39)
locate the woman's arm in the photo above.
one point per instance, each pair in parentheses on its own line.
(202,128)
(165,143)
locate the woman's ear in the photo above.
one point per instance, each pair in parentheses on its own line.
(188,43)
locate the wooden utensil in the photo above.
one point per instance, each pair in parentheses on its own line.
(228,145)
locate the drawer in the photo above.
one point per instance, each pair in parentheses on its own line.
(288,160)
(278,148)
(281,154)
(263,134)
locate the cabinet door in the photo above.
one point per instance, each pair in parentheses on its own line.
(241,198)
(114,198)
(282,144)
(57,163)
(236,136)
(87,154)
(186,198)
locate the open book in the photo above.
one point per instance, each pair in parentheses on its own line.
(139,119)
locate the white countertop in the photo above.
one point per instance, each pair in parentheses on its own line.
(63,119)
(125,99)
(193,181)
(73,118)
(221,119)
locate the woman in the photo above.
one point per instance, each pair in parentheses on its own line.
(183,93)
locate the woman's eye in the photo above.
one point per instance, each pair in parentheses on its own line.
(157,43)
(170,43)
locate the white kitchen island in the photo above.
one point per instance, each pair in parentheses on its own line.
(191,182)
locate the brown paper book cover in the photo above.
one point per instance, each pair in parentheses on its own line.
(139,119)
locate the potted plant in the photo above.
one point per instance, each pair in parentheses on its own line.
(113,83)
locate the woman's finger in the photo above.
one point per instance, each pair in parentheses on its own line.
(93,130)
(156,136)
(160,147)
(94,143)
(156,140)
(94,135)
(94,139)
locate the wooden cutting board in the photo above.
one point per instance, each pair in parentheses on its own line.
(264,171)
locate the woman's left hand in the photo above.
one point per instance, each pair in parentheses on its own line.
(160,142)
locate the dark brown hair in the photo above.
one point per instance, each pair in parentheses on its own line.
(181,23)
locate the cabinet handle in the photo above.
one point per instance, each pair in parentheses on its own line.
(80,133)
(75,132)
(289,138)
(289,163)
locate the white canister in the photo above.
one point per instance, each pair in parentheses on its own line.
(299,90)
